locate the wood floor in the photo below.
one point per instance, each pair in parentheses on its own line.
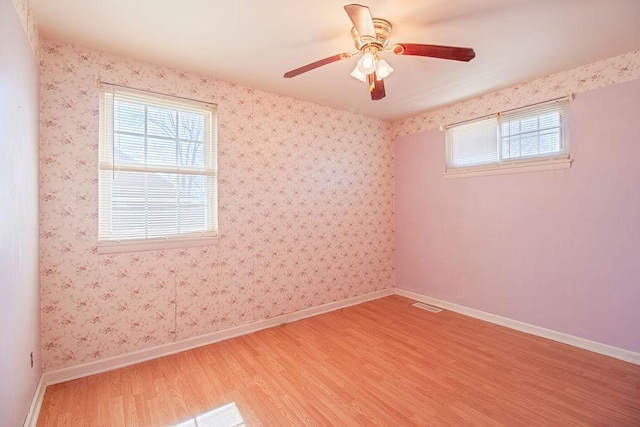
(379,363)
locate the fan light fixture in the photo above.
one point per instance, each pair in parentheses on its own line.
(358,75)
(383,69)
(369,64)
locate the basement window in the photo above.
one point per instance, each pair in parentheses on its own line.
(526,139)
(158,175)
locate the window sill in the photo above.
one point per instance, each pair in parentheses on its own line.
(153,245)
(532,166)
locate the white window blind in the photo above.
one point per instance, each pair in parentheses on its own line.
(158,168)
(517,137)
(472,144)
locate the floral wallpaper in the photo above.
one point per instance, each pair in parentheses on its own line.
(306,215)
(618,69)
(28,23)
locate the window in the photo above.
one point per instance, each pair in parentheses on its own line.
(158,177)
(473,144)
(530,138)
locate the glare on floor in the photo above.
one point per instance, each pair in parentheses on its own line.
(224,416)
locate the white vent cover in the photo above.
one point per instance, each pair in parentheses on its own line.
(427,307)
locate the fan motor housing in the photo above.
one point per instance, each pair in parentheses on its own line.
(383,31)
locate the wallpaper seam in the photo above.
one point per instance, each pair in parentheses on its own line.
(175,301)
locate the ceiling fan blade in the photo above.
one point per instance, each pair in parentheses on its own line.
(361,18)
(316,64)
(433,51)
(376,87)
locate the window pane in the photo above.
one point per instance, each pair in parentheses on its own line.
(191,126)
(128,205)
(191,154)
(128,117)
(549,120)
(162,205)
(533,132)
(529,145)
(161,152)
(529,124)
(162,122)
(550,141)
(128,149)
(193,203)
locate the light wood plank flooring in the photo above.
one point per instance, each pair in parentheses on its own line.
(383,362)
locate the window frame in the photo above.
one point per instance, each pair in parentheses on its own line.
(107,163)
(531,163)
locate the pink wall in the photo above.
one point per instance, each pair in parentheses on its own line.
(306,215)
(556,249)
(19,278)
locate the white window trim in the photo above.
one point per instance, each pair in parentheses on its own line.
(112,247)
(522,165)
(170,242)
(536,165)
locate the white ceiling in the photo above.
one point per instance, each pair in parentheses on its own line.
(254,42)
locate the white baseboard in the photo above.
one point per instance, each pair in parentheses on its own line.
(596,347)
(36,404)
(111,363)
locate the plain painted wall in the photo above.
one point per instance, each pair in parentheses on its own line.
(19,275)
(556,249)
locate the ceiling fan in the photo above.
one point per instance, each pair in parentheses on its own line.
(371,36)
